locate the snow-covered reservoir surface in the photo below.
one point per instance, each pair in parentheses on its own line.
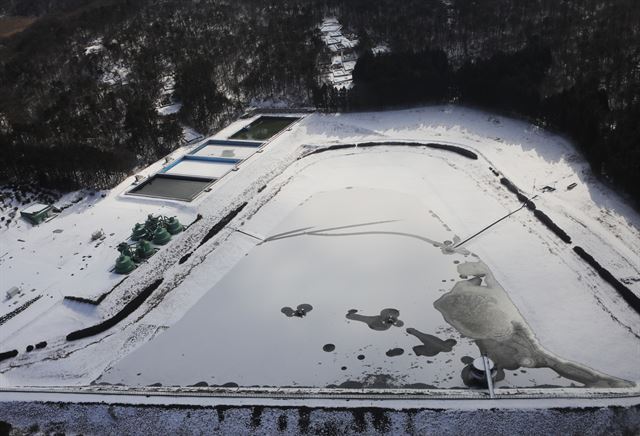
(348,234)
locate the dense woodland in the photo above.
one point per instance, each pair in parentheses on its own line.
(66,120)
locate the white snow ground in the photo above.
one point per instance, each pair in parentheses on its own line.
(572,312)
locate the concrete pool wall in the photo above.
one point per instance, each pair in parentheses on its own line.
(192,173)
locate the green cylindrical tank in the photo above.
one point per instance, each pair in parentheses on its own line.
(161,236)
(124,264)
(173,226)
(138,232)
(144,250)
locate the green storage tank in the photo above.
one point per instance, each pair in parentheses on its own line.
(161,236)
(173,226)
(139,232)
(124,264)
(144,250)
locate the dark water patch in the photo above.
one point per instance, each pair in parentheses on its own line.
(183,188)
(328,348)
(383,321)
(155,385)
(395,352)
(480,309)
(300,311)
(41,345)
(263,128)
(360,356)
(230,385)
(467,360)
(344,368)
(201,384)
(431,345)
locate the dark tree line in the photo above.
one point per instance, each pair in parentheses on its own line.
(72,119)
(567,64)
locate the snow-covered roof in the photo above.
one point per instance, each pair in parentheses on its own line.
(36,208)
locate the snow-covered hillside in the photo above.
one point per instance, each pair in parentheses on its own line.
(220,297)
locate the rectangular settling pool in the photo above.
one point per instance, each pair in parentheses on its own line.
(172,187)
(263,128)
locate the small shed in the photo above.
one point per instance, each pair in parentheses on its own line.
(37,213)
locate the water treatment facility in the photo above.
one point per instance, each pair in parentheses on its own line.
(394,272)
